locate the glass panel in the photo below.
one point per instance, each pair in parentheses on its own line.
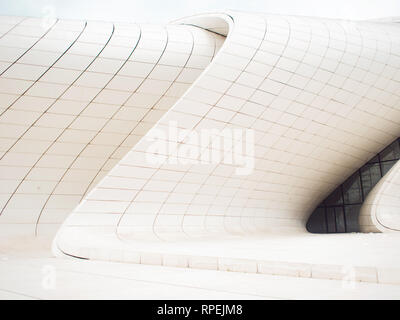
(317,221)
(392,152)
(352,190)
(374,159)
(330,216)
(352,213)
(386,166)
(370,175)
(335,198)
(340,222)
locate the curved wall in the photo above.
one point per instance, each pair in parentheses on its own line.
(320,96)
(75,97)
(309,88)
(340,211)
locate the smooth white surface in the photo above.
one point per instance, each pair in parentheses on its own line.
(23,265)
(364,257)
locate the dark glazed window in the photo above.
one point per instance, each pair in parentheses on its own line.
(339,211)
(390,153)
(352,190)
(370,175)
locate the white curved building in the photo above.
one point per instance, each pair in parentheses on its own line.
(380,210)
(83,104)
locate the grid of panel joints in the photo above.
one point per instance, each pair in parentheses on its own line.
(185,122)
(189,58)
(14,30)
(339,212)
(193,67)
(181,77)
(199,48)
(224,190)
(209,200)
(155,182)
(28,183)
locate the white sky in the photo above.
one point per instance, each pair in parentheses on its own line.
(166,10)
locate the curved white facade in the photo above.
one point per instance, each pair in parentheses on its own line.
(75,98)
(380,210)
(321,97)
